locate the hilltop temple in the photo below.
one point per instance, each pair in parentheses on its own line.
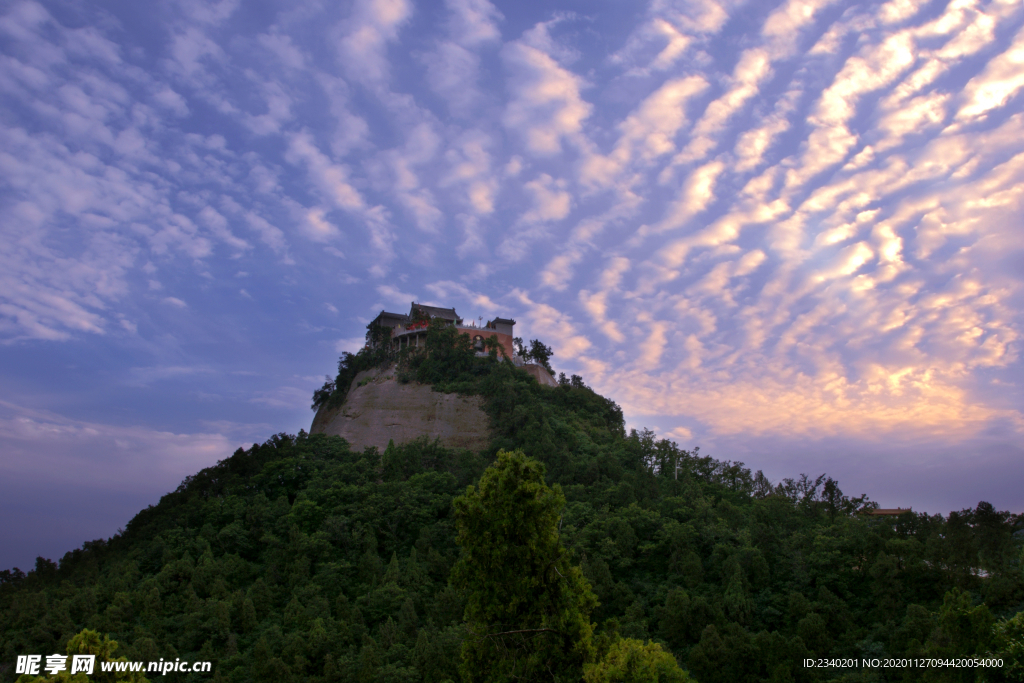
(410,331)
(379,409)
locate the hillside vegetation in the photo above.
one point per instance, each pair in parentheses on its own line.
(300,559)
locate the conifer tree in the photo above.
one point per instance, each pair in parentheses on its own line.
(528,608)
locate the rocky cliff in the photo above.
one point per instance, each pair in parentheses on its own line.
(540,374)
(379,408)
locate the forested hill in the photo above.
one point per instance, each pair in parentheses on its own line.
(301,560)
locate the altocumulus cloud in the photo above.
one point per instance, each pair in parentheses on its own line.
(795,220)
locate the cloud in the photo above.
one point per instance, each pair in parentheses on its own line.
(658,44)
(545,105)
(697,193)
(559,270)
(171,100)
(318,228)
(967,30)
(103,160)
(278,110)
(49,451)
(551,202)
(351,345)
(552,325)
(191,51)
(800,405)
(453,65)
(50,289)
(676,44)
(331,179)
(179,451)
(287,397)
(394,295)
(470,167)
(653,344)
(281,46)
(362,44)
(783,25)
(648,132)
(473,22)
(912,117)
(215,12)
(753,143)
(1002,79)
(681,434)
(675,47)
(717,282)
(420,148)
(174,302)
(218,225)
(269,234)
(699,16)
(351,130)
(108,470)
(583,239)
(654,124)
(449,291)
(876,66)
(473,236)
(452,72)
(596,306)
(854,289)
(751,70)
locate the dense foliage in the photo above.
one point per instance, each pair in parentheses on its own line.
(301,559)
(527,606)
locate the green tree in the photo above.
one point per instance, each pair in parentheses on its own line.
(449,353)
(528,607)
(520,349)
(964,630)
(541,353)
(631,661)
(89,642)
(1008,642)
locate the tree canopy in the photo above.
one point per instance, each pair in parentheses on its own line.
(527,606)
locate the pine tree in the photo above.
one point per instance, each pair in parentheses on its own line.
(528,608)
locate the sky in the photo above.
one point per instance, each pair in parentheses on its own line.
(787,232)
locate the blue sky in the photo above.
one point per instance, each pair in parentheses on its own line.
(787,232)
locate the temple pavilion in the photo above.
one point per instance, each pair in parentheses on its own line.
(410,330)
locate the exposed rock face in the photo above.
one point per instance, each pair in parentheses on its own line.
(378,408)
(540,373)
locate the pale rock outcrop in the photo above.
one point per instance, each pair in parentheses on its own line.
(540,373)
(378,408)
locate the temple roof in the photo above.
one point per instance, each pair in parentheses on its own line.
(889,511)
(391,319)
(434,312)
